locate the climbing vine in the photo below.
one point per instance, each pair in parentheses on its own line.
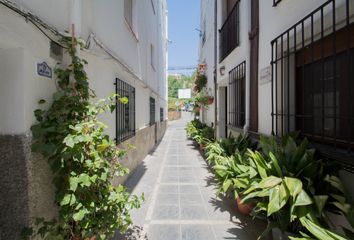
(83,159)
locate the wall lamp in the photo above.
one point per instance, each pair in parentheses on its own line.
(222,70)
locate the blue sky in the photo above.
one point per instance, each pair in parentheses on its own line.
(183,19)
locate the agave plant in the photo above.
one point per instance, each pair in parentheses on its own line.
(291,189)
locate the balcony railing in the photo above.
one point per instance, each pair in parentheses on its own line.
(230,32)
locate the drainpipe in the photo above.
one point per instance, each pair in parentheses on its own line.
(248,79)
(75,17)
(215,67)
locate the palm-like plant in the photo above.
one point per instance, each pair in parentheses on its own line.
(234,173)
(290,190)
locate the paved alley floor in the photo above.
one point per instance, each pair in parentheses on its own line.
(180,201)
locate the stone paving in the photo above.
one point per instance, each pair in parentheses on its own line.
(180,201)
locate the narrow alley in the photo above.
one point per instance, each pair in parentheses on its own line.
(180,200)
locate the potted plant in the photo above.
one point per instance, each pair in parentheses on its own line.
(200,82)
(210,100)
(291,191)
(235,175)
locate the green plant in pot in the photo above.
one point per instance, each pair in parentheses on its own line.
(240,144)
(235,176)
(205,136)
(200,82)
(289,192)
(214,152)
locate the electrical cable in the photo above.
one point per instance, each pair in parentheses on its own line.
(34,20)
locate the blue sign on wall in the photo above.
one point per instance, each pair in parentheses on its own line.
(44,70)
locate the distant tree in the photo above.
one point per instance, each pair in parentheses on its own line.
(175,83)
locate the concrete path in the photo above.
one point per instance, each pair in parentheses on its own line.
(180,196)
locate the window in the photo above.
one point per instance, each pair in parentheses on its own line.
(125,113)
(276,2)
(161,115)
(128,12)
(237,99)
(312,79)
(152,56)
(152,111)
(230,31)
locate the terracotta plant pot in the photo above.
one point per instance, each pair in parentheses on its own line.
(244,208)
(210,100)
(202,147)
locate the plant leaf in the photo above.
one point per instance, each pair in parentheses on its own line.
(269,182)
(294,186)
(303,199)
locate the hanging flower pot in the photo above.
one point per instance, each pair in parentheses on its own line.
(210,100)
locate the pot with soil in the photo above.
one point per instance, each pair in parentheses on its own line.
(244,208)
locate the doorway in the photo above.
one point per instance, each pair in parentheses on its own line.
(223,129)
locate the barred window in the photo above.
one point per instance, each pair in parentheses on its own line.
(152,111)
(161,115)
(237,100)
(125,113)
(312,78)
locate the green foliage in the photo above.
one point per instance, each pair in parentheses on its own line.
(200,132)
(174,84)
(200,82)
(240,144)
(83,160)
(293,189)
(287,183)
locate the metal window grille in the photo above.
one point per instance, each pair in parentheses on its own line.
(276,2)
(161,115)
(230,32)
(237,98)
(312,78)
(125,113)
(152,111)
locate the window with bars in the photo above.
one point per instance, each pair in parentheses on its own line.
(125,112)
(230,30)
(237,93)
(152,111)
(312,78)
(161,115)
(276,2)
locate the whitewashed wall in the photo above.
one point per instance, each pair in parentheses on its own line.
(104,19)
(206,52)
(274,21)
(240,53)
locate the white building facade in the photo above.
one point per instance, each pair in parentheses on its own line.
(126,50)
(285,66)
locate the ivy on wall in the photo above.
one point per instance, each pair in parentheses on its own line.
(83,160)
